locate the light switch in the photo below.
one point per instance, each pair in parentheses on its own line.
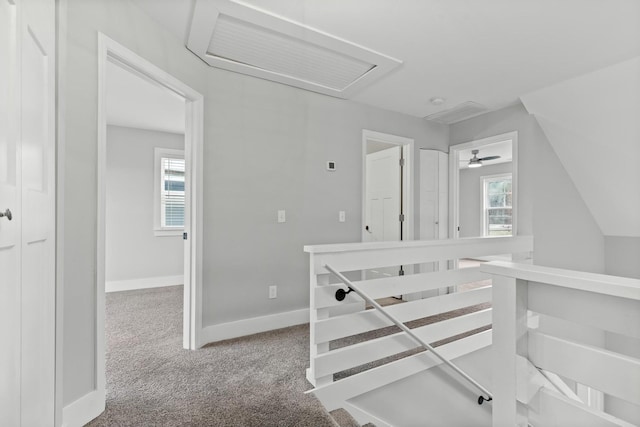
(342,216)
(282,217)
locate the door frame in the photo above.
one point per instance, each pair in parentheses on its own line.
(407,178)
(454,178)
(111,51)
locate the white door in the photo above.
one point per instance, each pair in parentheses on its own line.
(9,230)
(382,210)
(434,204)
(383,195)
(27,189)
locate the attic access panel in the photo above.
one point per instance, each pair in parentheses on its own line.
(240,38)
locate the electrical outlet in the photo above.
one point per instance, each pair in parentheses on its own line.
(282,216)
(273,291)
(342,216)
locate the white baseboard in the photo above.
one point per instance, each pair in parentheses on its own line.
(144,283)
(83,410)
(254,325)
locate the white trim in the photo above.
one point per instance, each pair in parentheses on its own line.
(61,82)
(167,232)
(240,328)
(83,410)
(583,281)
(408,177)
(109,50)
(143,283)
(100,379)
(205,16)
(454,178)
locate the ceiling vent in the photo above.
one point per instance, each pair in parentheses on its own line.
(240,38)
(460,112)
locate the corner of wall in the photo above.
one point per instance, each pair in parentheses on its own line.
(621,255)
(255,325)
(572,238)
(550,207)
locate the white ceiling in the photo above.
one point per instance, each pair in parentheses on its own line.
(486,51)
(134,101)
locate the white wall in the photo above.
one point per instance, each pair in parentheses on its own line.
(265,149)
(471,197)
(133,252)
(549,205)
(622,256)
(269,144)
(597,114)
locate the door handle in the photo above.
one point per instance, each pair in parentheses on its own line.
(6,213)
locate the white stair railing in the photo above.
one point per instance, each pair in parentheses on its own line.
(580,326)
(346,337)
(352,287)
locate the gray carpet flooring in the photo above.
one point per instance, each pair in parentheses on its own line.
(251,381)
(151,381)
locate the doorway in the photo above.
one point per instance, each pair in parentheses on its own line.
(484,190)
(484,182)
(145,184)
(387,199)
(112,53)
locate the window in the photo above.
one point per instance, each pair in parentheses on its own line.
(497,205)
(169,191)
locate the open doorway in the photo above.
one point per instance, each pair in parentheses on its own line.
(387,183)
(484,176)
(172,196)
(387,198)
(145,186)
(483,192)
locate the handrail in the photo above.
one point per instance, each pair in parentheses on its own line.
(409,332)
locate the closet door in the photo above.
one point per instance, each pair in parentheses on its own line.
(434,195)
(434,203)
(10,245)
(27,213)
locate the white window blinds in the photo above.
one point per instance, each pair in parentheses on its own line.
(172,192)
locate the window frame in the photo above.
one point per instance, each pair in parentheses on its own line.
(484,218)
(160,153)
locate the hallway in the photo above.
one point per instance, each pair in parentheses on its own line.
(152,381)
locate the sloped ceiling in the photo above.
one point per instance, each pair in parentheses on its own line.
(593,124)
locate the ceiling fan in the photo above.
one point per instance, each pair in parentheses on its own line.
(476,162)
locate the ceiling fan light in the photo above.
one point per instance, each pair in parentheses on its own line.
(475,163)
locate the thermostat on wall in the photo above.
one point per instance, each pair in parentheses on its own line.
(331,166)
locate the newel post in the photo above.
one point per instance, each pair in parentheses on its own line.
(316,279)
(509,342)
